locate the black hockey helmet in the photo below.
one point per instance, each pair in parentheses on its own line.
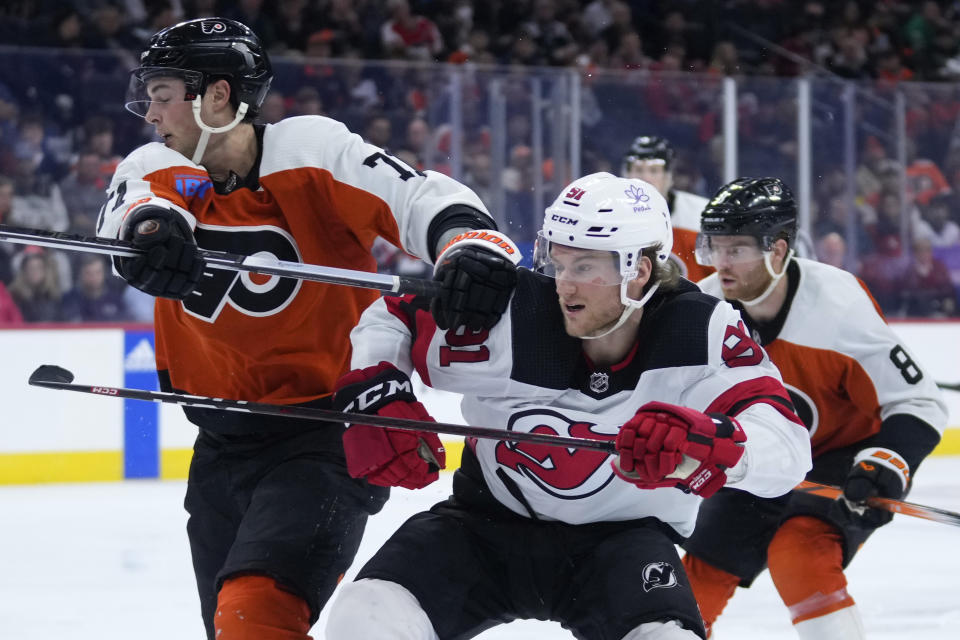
(206,49)
(649,148)
(760,207)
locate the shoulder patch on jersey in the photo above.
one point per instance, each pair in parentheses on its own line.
(150,158)
(675,333)
(543,354)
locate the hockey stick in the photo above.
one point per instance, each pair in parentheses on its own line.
(229,261)
(886,504)
(54,377)
(947,385)
(689,465)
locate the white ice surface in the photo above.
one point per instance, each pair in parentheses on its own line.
(110,562)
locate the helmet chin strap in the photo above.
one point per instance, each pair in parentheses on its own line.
(775,278)
(629,306)
(207,130)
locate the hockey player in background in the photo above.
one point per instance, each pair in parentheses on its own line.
(651,158)
(608,342)
(872,412)
(275,519)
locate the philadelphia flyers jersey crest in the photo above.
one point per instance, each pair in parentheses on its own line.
(322,197)
(527,375)
(845,368)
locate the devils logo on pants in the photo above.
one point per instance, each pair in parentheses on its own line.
(562,472)
(658,575)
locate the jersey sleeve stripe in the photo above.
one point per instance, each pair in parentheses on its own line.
(412,312)
(399,307)
(422,336)
(765,390)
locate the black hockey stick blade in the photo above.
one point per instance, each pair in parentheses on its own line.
(44,376)
(886,504)
(948,386)
(230,261)
(50,373)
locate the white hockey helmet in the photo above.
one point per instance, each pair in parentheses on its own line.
(602,212)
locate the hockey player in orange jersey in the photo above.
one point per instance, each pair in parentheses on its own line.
(872,412)
(275,519)
(651,158)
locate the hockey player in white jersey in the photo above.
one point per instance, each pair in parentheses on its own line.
(604,340)
(651,158)
(872,412)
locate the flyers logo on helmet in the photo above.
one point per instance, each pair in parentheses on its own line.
(250,294)
(569,474)
(213,27)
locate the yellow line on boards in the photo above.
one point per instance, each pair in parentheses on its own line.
(61,466)
(107,466)
(949,444)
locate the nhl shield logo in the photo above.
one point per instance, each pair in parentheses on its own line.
(658,574)
(599,382)
(212,27)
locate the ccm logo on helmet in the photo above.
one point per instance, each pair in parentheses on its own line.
(564,220)
(486,237)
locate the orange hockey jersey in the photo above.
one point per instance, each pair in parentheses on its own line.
(845,369)
(324,196)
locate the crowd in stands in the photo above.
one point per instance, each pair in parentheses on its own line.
(649,67)
(891,40)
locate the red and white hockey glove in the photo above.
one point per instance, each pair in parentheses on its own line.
(660,436)
(875,472)
(384,456)
(477,272)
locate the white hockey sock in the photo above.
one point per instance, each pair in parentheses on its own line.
(377,609)
(670,630)
(842,624)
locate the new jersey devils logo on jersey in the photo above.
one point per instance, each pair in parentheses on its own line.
(563,473)
(250,294)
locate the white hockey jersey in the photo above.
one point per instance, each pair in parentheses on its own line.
(322,196)
(527,375)
(845,369)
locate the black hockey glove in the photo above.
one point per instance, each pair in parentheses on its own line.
(875,472)
(478,272)
(170,266)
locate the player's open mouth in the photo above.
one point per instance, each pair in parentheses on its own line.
(573,308)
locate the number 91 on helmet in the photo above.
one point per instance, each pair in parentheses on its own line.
(603,214)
